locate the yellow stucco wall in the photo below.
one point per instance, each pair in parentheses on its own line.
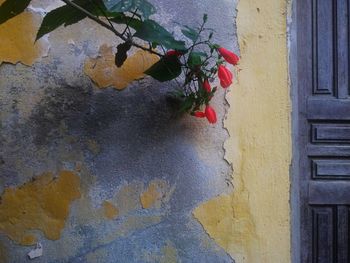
(253,224)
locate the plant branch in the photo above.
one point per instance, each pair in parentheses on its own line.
(196,42)
(201,43)
(127,24)
(103,12)
(109,27)
(96,19)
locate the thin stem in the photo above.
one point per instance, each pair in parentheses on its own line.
(96,19)
(109,27)
(200,43)
(127,23)
(146,49)
(190,49)
(195,43)
(103,12)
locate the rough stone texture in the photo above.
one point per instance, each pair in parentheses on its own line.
(127,147)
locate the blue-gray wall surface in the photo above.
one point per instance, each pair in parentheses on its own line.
(120,144)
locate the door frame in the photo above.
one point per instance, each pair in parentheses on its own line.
(293,58)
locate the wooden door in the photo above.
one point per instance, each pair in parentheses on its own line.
(324,129)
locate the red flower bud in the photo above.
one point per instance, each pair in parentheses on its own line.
(206,86)
(210,114)
(173,53)
(225,76)
(229,56)
(199,114)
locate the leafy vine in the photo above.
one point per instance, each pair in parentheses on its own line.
(198,64)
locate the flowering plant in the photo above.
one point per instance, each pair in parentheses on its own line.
(198,64)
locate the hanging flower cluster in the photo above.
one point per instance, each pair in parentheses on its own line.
(197,64)
(225,77)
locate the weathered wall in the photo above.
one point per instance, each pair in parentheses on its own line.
(253,223)
(96,174)
(101,175)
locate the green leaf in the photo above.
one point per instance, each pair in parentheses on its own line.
(186,105)
(64,15)
(151,31)
(202,54)
(12,8)
(165,69)
(126,20)
(194,59)
(190,33)
(214,46)
(143,6)
(154,44)
(67,15)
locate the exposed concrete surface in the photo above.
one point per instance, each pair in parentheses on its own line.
(141,170)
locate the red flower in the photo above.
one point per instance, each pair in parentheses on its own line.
(229,56)
(206,86)
(210,114)
(173,53)
(225,76)
(199,114)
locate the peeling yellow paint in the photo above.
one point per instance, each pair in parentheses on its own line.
(17,39)
(253,224)
(42,204)
(230,225)
(124,205)
(154,194)
(28,240)
(103,71)
(110,211)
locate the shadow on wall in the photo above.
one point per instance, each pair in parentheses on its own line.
(139,111)
(136,138)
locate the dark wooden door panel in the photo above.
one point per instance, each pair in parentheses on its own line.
(323,235)
(329,193)
(328,109)
(343,231)
(330,169)
(320,151)
(324,129)
(330,133)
